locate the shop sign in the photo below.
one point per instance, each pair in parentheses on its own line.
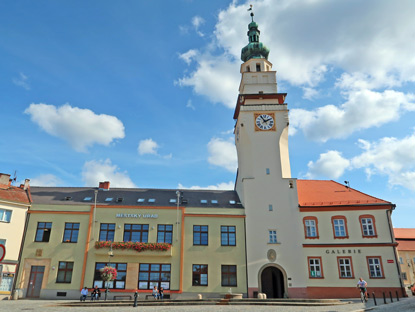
(137,215)
(343,251)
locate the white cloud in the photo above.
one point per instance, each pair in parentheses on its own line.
(310,93)
(363,109)
(22,81)
(223,154)
(190,105)
(189,56)
(80,127)
(46,180)
(220,186)
(96,171)
(197,21)
(147,146)
(330,165)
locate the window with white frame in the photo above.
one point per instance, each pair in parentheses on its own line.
(367,227)
(310,228)
(5,215)
(400,260)
(272,234)
(375,269)
(345,268)
(314,265)
(339,227)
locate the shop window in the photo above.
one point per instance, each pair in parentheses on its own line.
(375,267)
(310,227)
(367,224)
(70,235)
(5,215)
(164,233)
(339,224)
(315,269)
(107,231)
(200,235)
(118,283)
(272,237)
(136,233)
(64,272)
(200,275)
(345,267)
(229,275)
(228,235)
(154,274)
(6,281)
(43,231)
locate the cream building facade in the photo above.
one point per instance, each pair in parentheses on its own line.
(406,251)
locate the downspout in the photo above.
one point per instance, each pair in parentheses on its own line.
(246,261)
(388,216)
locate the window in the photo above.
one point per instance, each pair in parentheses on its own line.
(270,208)
(64,272)
(214,201)
(339,227)
(315,269)
(5,215)
(345,267)
(228,235)
(43,231)
(200,275)
(118,283)
(136,233)
(6,282)
(375,267)
(70,235)
(367,223)
(400,260)
(172,200)
(311,227)
(248,69)
(151,200)
(140,200)
(272,236)
(404,277)
(88,198)
(267,171)
(164,233)
(203,201)
(200,235)
(258,67)
(154,274)
(108,199)
(106,233)
(232,202)
(229,275)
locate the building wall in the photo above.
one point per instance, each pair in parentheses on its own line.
(407,264)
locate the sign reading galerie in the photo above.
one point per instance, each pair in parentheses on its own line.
(137,215)
(343,251)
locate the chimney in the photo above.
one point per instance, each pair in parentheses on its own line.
(5,180)
(104,186)
(26,184)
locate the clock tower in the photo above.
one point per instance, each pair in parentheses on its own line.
(275,261)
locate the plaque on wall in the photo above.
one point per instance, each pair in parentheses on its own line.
(271,255)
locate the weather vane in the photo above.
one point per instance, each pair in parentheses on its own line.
(252,13)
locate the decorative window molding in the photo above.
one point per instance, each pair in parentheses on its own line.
(368,226)
(375,267)
(311,227)
(339,224)
(345,267)
(315,267)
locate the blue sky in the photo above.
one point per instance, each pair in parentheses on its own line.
(141,93)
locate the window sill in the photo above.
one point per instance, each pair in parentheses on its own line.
(341,237)
(272,243)
(312,237)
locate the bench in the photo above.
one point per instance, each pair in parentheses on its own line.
(165,296)
(122,296)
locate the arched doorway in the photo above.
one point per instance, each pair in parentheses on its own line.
(272,282)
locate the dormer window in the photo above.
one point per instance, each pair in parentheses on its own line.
(258,67)
(140,200)
(151,200)
(248,69)
(119,199)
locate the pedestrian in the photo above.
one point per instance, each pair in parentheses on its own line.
(96,293)
(84,294)
(161,294)
(155,293)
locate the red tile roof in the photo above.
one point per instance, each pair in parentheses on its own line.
(404,233)
(331,193)
(14,194)
(406,245)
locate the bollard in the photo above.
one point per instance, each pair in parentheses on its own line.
(390,295)
(374,298)
(135,299)
(397,296)
(384,298)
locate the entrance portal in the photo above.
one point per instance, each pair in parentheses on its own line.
(272,282)
(35,281)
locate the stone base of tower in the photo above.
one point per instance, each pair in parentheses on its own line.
(352,292)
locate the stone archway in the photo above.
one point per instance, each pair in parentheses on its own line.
(272,281)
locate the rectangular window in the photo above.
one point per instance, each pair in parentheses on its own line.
(375,267)
(43,231)
(164,233)
(367,227)
(200,235)
(106,232)
(64,272)
(270,208)
(154,274)
(136,233)
(5,215)
(70,235)
(310,227)
(400,260)
(118,283)
(404,277)
(6,282)
(315,269)
(229,275)
(272,236)
(200,275)
(339,228)
(228,235)
(345,267)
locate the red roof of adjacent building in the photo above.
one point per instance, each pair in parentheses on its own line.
(14,194)
(330,193)
(406,245)
(404,233)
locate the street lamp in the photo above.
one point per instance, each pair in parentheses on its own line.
(110,254)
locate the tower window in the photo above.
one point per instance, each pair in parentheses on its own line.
(270,208)
(267,171)
(258,67)
(248,69)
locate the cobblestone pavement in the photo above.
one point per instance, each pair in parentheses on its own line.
(404,305)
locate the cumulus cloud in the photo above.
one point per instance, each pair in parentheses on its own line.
(220,186)
(363,109)
(147,146)
(22,81)
(80,127)
(197,21)
(96,171)
(46,180)
(188,56)
(222,153)
(330,165)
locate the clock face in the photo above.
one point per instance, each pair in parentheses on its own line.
(264,122)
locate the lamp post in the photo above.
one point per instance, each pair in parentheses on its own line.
(110,254)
